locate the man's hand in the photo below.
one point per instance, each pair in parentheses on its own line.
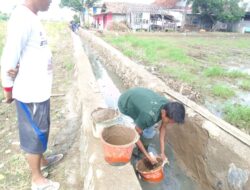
(8,97)
(164,158)
(152,159)
(13,72)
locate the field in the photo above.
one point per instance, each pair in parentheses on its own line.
(212,68)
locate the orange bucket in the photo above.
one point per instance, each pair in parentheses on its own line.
(149,172)
(118,142)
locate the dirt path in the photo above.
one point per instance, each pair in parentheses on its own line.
(64,135)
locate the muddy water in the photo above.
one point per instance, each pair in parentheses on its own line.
(111,87)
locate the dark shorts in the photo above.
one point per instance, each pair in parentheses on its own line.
(33,125)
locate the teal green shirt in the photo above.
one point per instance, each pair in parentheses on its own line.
(142,105)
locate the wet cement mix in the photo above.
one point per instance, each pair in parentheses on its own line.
(119,135)
(145,166)
(103,114)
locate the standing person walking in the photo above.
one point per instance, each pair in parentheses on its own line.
(27,47)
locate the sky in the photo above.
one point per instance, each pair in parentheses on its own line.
(55,11)
(8,4)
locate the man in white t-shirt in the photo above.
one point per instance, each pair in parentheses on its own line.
(27,47)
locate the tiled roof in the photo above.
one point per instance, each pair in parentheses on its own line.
(123,8)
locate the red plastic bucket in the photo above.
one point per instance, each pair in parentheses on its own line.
(118,143)
(150,173)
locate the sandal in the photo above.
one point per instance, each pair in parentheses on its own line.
(51,185)
(52,160)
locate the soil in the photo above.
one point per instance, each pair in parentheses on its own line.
(103,114)
(119,135)
(145,166)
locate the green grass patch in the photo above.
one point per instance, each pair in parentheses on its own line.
(215,71)
(179,73)
(245,85)
(242,43)
(154,49)
(238,115)
(236,74)
(223,91)
(68,63)
(3,28)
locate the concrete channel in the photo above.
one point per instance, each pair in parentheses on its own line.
(209,152)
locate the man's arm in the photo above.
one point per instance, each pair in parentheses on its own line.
(162,140)
(11,53)
(143,150)
(162,135)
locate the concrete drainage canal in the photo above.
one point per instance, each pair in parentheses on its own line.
(202,156)
(111,87)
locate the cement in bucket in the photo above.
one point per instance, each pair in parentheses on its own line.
(118,143)
(149,172)
(103,117)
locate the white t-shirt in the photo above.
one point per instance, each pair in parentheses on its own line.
(27,45)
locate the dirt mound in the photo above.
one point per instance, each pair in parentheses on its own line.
(118,26)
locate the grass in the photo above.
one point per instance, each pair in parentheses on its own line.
(2,39)
(237,74)
(218,71)
(245,85)
(183,58)
(215,71)
(238,115)
(68,63)
(180,73)
(2,35)
(153,49)
(222,91)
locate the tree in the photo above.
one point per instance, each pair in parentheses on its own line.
(231,12)
(218,10)
(79,5)
(76,5)
(3,16)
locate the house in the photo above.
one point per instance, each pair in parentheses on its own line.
(179,9)
(88,13)
(135,16)
(243,26)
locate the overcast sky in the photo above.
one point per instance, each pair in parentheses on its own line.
(55,11)
(8,4)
